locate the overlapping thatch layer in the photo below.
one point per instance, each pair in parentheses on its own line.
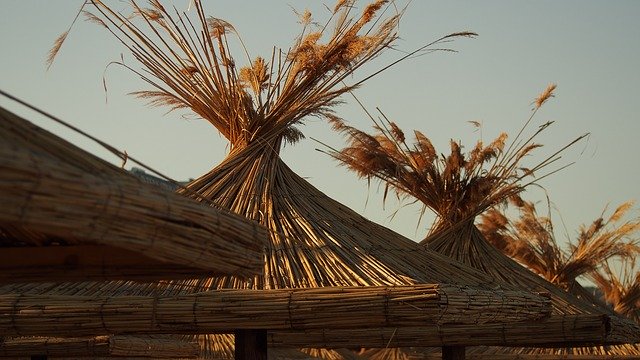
(66,215)
(290,309)
(156,346)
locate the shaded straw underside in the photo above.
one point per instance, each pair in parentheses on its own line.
(53,192)
(158,346)
(216,346)
(626,351)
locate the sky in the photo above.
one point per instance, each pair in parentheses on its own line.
(590,49)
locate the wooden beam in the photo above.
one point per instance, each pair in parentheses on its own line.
(85,262)
(453,353)
(251,344)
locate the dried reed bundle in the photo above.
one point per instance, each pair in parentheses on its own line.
(292,309)
(531,240)
(457,187)
(156,346)
(193,68)
(315,241)
(67,196)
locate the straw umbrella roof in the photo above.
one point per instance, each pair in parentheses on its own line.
(531,240)
(314,241)
(68,215)
(457,305)
(459,187)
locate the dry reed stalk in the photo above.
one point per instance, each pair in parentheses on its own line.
(70,197)
(457,187)
(292,309)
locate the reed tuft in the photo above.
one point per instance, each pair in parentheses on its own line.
(456,187)
(530,239)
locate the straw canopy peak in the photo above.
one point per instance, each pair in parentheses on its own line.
(458,186)
(188,61)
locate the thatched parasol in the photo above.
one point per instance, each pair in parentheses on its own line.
(461,186)
(314,241)
(67,215)
(530,239)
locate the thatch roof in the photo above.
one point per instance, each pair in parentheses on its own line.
(458,304)
(68,215)
(314,241)
(458,188)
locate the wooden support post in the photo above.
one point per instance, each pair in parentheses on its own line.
(251,344)
(453,353)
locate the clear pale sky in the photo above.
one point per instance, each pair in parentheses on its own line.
(591,49)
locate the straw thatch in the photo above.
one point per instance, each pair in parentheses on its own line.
(531,240)
(291,309)
(68,215)
(554,331)
(314,241)
(100,346)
